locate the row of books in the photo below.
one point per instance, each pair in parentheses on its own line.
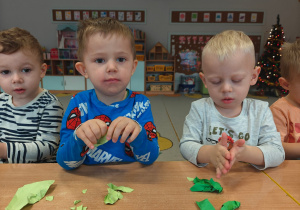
(138,34)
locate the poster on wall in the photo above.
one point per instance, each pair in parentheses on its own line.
(249,17)
(187,50)
(68,15)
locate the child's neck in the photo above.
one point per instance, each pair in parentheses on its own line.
(110,100)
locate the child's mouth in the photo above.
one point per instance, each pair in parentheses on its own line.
(19,90)
(227,100)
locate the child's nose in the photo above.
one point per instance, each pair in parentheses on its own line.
(17,78)
(111,66)
(226,87)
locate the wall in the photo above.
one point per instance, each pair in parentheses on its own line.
(36,16)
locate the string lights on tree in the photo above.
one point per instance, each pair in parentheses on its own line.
(270,63)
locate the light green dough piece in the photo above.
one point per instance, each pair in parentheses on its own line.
(101,141)
(29,194)
(49,198)
(112,196)
(190,179)
(77,201)
(120,188)
(84,191)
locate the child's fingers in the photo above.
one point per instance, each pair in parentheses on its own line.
(218,173)
(133,136)
(223,140)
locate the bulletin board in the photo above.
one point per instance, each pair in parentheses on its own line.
(69,15)
(248,17)
(187,50)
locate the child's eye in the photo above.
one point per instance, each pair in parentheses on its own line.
(121,60)
(26,70)
(100,60)
(4,72)
(215,82)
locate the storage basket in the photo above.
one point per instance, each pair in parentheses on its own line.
(159,67)
(140,57)
(167,78)
(169,68)
(139,47)
(151,78)
(166,87)
(155,87)
(150,68)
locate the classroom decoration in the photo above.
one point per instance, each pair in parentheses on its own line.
(269,63)
(248,17)
(187,50)
(71,15)
(29,194)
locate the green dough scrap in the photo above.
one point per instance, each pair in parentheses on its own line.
(205,185)
(114,193)
(49,198)
(84,191)
(112,196)
(205,204)
(29,194)
(101,141)
(120,188)
(231,205)
(77,201)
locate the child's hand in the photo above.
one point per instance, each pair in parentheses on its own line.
(220,156)
(123,126)
(236,150)
(90,131)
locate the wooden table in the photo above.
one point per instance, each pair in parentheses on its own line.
(287,176)
(162,185)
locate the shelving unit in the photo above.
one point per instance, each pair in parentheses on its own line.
(159,71)
(159,81)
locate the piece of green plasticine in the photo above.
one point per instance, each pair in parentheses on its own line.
(101,141)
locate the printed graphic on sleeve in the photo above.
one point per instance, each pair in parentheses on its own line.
(151,130)
(128,150)
(74,120)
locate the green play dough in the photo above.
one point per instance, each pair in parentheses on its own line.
(101,141)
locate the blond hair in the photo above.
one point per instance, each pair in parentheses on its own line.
(290,59)
(224,44)
(104,26)
(15,39)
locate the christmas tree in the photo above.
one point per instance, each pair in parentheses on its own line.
(269,62)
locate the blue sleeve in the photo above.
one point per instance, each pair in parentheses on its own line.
(145,147)
(71,152)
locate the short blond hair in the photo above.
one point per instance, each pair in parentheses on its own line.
(226,43)
(15,39)
(105,26)
(290,59)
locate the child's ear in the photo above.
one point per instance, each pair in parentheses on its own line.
(43,70)
(201,75)
(81,69)
(284,83)
(135,63)
(255,75)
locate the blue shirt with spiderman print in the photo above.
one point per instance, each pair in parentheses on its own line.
(84,106)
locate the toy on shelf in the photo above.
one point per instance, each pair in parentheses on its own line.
(159,52)
(54,53)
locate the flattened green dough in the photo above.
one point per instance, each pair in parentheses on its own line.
(205,204)
(101,141)
(29,194)
(231,205)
